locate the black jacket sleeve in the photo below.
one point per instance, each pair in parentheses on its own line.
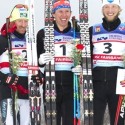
(3,44)
(90,35)
(91,45)
(3,48)
(40,43)
(2,78)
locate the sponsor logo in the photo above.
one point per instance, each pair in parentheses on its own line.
(121,28)
(97,29)
(110,1)
(102,38)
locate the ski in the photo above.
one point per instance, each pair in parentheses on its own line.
(34,90)
(86,63)
(47,73)
(50,87)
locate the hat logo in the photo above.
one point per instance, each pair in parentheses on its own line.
(23,15)
(110,1)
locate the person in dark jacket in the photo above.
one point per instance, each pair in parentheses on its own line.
(63,36)
(107,42)
(15,78)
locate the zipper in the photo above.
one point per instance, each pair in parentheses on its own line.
(105,79)
(61,78)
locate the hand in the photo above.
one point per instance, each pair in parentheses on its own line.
(77,70)
(45,58)
(11,79)
(123,83)
(38,78)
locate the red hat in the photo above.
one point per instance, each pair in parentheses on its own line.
(60,4)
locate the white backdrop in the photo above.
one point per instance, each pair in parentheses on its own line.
(95,15)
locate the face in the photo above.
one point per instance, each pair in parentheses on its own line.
(111,12)
(21,25)
(62,17)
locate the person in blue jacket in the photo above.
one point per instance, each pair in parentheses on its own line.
(108,46)
(63,36)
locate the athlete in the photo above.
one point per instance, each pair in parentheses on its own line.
(11,80)
(63,36)
(107,40)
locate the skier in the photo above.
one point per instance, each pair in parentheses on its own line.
(63,34)
(107,40)
(18,22)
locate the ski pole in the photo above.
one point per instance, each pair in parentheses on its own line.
(118,109)
(13,92)
(74,99)
(75,84)
(78,101)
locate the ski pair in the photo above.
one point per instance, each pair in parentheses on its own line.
(83,93)
(86,64)
(50,86)
(34,90)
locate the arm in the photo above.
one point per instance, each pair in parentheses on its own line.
(91,45)
(90,36)
(40,42)
(3,44)
(42,56)
(6,78)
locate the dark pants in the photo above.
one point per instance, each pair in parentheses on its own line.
(64,104)
(104,93)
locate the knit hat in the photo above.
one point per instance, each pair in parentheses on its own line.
(104,2)
(20,11)
(60,4)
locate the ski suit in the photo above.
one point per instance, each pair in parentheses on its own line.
(107,40)
(22,102)
(63,74)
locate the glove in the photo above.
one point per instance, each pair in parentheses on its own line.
(10,79)
(38,78)
(45,58)
(77,70)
